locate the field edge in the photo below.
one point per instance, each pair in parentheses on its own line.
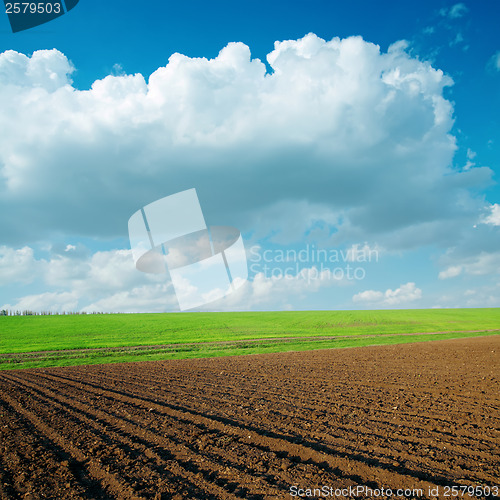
(80,357)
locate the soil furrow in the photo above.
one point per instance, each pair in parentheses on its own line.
(380,417)
(409,416)
(271,441)
(175,457)
(45,465)
(365,432)
(110,482)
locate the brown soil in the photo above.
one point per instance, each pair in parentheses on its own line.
(411,416)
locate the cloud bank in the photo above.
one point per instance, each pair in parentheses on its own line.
(339,143)
(107,281)
(338,131)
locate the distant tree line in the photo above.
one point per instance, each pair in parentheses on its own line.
(8,312)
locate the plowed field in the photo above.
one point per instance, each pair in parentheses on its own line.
(411,416)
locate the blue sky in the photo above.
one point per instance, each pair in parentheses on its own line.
(370,129)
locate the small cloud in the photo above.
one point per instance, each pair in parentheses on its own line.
(117,70)
(494,217)
(429,30)
(495,61)
(457,40)
(458,10)
(78,251)
(455,12)
(368,296)
(451,272)
(399,46)
(405,293)
(470,156)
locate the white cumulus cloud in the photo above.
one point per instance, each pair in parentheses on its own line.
(450,272)
(45,69)
(16,265)
(277,292)
(338,143)
(338,130)
(493,217)
(404,294)
(106,279)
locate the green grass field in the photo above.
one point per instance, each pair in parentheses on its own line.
(92,339)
